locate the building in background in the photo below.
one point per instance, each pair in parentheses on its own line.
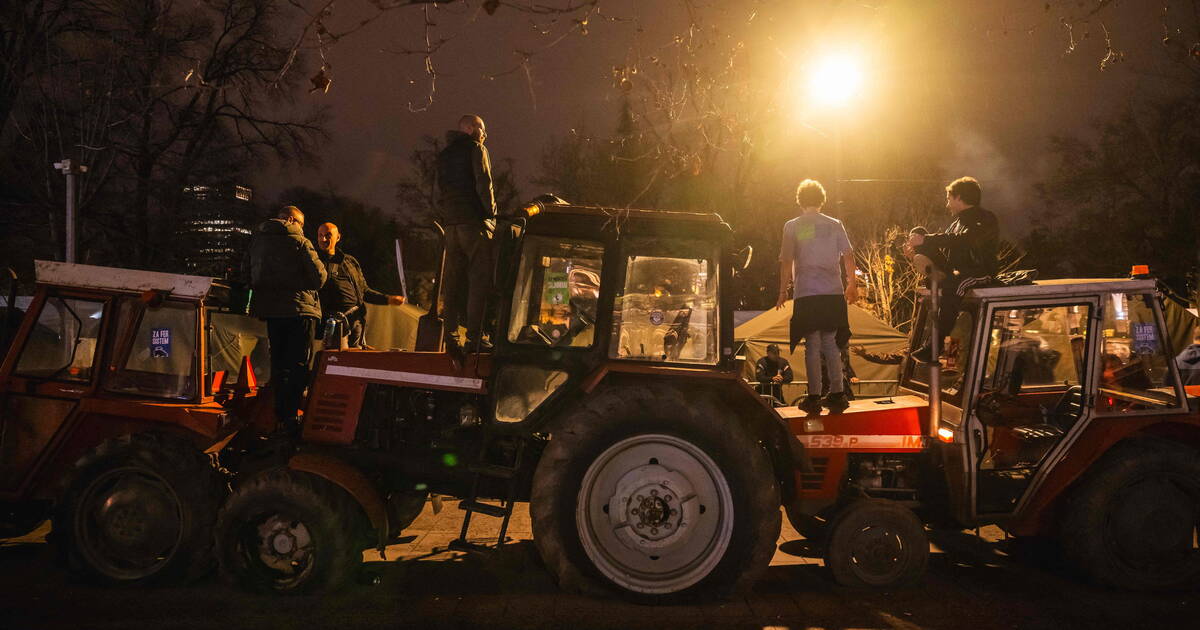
(216,227)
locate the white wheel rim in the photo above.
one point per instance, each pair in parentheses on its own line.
(654,514)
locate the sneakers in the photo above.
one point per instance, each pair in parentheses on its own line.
(811,404)
(836,402)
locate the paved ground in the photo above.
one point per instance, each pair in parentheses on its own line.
(972,583)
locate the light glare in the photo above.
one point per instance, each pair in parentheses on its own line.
(836,79)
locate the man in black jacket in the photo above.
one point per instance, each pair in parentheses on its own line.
(285,274)
(771,372)
(468,209)
(346,294)
(968,252)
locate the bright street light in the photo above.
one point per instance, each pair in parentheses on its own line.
(835,80)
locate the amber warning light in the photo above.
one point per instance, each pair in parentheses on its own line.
(945,435)
(1139,271)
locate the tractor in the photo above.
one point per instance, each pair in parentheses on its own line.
(611,402)
(1055,411)
(117,389)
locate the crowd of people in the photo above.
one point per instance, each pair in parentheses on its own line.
(306,293)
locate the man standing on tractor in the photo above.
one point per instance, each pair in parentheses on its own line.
(967,253)
(346,294)
(285,274)
(467,206)
(809,273)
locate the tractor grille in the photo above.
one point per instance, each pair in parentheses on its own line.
(329,412)
(813,480)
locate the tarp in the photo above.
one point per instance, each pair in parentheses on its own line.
(867,331)
(391,327)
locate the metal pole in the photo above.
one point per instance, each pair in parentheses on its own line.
(70,170)
(935,367)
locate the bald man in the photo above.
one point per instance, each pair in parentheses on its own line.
(346,293)
(467,206)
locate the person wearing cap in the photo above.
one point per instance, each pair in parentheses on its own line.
(967,253)
(772,372)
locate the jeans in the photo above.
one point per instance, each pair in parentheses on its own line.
(820,347)
(290,340)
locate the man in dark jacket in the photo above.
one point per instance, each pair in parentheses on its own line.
(1188,361)
(968,252)
(346,294)
(285,274)
(468,209)
(771,372)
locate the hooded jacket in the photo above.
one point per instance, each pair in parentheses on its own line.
(284,272)
(464,181)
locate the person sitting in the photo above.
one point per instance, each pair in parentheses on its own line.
(772,372)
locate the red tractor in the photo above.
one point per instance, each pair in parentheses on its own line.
(1056,410)
(116,389)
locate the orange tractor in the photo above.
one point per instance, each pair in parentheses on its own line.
(612,403)
(117,390)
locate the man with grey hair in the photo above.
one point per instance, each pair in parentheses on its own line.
(467,208)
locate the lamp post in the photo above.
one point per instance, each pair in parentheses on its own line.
(70,170)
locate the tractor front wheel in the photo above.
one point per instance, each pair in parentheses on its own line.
(139,509)
(659,496)
(288,532)
(1133,522)
(876,543)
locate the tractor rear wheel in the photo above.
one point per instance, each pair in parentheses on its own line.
(139,509)
(660,496)
(288,532)
(876,543)
(1133,522)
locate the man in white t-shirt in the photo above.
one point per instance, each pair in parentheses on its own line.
(814,253)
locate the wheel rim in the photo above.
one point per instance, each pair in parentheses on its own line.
(876,554)
(1153,528)
(654,514)
(129,524)
(279,549)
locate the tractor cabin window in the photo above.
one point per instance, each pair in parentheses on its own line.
(558,286)
(667,309)
(62,345)
(1134,371)
(162,353)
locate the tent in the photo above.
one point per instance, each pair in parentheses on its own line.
(867,331)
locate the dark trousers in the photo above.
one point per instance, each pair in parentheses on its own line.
(949,301)
(467,275)
(290,339)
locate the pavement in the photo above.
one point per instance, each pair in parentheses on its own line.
(977,582)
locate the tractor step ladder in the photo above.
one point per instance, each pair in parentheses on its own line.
(472,504)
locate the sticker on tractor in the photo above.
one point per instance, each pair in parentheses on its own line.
(160,343)
(656,317)
(1145,338)
(861,441)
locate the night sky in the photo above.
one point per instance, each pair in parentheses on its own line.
(977,86)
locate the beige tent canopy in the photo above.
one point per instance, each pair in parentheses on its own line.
(867,331)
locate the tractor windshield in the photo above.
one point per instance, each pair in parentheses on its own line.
(558,285)
(162,355)
(62,344)
(1134,371)
(667,310)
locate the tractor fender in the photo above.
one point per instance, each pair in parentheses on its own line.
(351,480)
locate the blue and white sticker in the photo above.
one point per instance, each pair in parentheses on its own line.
(656,317)
(160,343)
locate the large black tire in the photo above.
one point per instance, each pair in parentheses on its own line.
(1131,523)
(876,543)
(657,439)
(139,509)
(289,532)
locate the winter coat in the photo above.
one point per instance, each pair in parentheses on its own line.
(284,272)
(464,181)
(1188,362)
(972,243)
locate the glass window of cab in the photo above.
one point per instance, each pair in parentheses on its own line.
(666,311)
(558,287)
(1135,369)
